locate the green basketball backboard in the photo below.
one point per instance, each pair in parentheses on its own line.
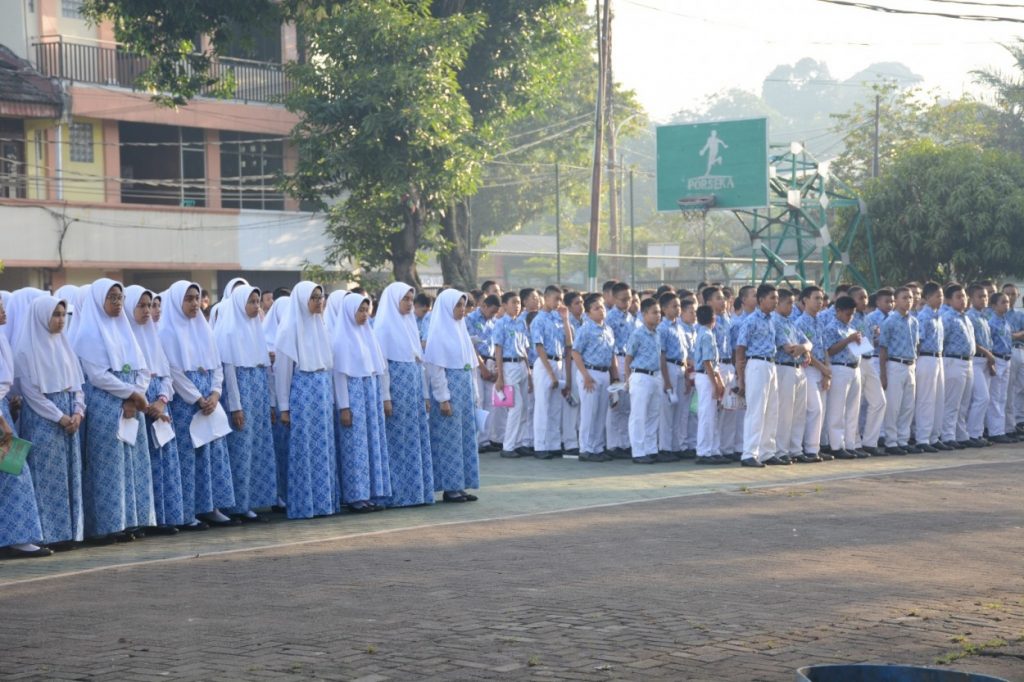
(724,159)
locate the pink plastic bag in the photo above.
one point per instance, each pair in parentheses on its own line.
(507,397)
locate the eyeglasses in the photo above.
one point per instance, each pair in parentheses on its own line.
(316,297)
(115,298)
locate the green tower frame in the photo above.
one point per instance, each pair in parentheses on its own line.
(797,226)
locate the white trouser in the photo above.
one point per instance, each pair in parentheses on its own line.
(593,412)
(929,400)
(547,407)
(517,377)
(673,418)
(708,413)
(959,376)
(979,399)
(995,417)
(691,422)
(494,427)
(873,405)
(730,422)
(618,418)
(843,407)
(899,403)
(645,395)
(815,412)
(762,417)
(571,413)
(1015,390)
(793,410)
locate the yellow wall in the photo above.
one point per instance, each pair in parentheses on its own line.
(81,181)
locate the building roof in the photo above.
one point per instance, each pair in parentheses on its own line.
(24,92)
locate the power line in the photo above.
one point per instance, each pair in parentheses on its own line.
(924,13)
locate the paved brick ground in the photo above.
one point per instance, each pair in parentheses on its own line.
(741,584)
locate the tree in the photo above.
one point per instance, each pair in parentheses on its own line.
(948,213)
(1008,89)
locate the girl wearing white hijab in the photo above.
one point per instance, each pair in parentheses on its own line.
(232,284)
(243,349)
(362,396)
(138,304)
(198,380)
(333,310)
(69,294)
(407,427)
(20,530)
(450,359)
(271,321)
(50,379)
(118,476)
(157,308)
(303,381)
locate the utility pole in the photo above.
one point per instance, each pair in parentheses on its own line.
(878,111)
(614,182)
(595,180)
(558,229)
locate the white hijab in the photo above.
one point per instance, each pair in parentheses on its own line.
(272,321)
(46,360)
(188,343)
(104,340)
(17,312)
(225,298)
(448,342)
(396,333)
(332,311)
(6,360)
(69,294)
(356,352)
(240,337)
(303,336)
(146,334)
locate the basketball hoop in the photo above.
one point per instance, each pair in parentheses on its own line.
(702,204)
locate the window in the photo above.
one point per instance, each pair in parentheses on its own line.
(81,142)
(12,159)
(164,165)
(250,165)
(72,9)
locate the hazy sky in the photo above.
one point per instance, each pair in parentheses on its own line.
(674,53)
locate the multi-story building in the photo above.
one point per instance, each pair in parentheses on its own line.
(97,180)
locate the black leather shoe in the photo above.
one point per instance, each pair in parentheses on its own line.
(826,456)
(594,457)
(844,454)
(646,459)
(927,447)
(975,443)
(962,444)
(367,508)
(621,453)
(893,450)
(666,457)
(1001,440)
(525,451)
(510,454)
(870,451)
(688,454)
(774,461)
(201,525)
(214,523)
(453,497)
(573,452)
(547,454)
(65,546)
(941,446)
(751,462)
(734,456)
(705,459)
(278,509)
(469,496)
(101,541)
(161,530)
(13,553)
(808,459)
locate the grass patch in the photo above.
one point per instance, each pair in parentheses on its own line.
(968,648)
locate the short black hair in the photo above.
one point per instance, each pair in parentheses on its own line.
(282,292)
(508,296)
(952,289)
(423,300)
(808,290)
(663,289)
(687,302)
(885,291)
(666,297)
(929,289)
(590,299)
(705,315)
(846,303)
(570,297)
(765,290)
(491,301)
(487,284)
(523,293)
(855,289)
(744,290)
(619,288)
(707,292)
(995,298)
(609,285)
(841,289)
(785,295)
(647,304)
(737,304)
(476,295)
(974,288)
(552,289)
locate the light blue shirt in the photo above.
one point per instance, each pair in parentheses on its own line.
(812,329)
(900,336)
(548,330)
(423,325)
(735,324)
(673,339)
(786,326)
(723,325)
(623,324)
(873,327)
(1016,318)
(645,348)
(511,335)
(759,336)
(1002,341)
(705,348)
(836,331)
(595,344)
(480,331)
(982,335)
(958,334)
(932,332)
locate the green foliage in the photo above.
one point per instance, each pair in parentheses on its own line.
(948,213)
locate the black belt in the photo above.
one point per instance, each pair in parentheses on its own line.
(700,370)
(620,355)
(513,359)
(597,368)
(681,363)
(725,361)
(851,365)
(486,357)
(901,361)
(788,364)
(966,358)
(870,357)
(929,354)
(1002,357)
(648,372)
(555,358)
(761,357)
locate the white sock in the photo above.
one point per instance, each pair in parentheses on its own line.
(250,514)
(26,547)
(194,522)
(217,516)
(280,503)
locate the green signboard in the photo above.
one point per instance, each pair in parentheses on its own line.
(724,159)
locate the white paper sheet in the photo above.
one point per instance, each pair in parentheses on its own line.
(205,429)
(617,387)
(481,419)
(128,430)
(862,348)
(163,432)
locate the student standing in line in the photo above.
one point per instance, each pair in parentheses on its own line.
(165,462)
(407,427)
(984,366)
(50,379)
(593,352)
(843,408)
(363,398)
(571,409)
(622,324)
(958,367)
(449,357)
(304,384)
(480,324)
(511,352)
(1002,349)
(243,351)
(550,335)
(710,388)
(818,374)
(792,382)
(897,353)
(674,416)
(930,401)
(647,384)
(873,397)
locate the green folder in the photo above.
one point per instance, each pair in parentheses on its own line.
(12,456)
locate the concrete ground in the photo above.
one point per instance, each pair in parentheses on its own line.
(562,570)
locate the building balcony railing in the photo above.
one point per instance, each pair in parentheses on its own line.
(113,66)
